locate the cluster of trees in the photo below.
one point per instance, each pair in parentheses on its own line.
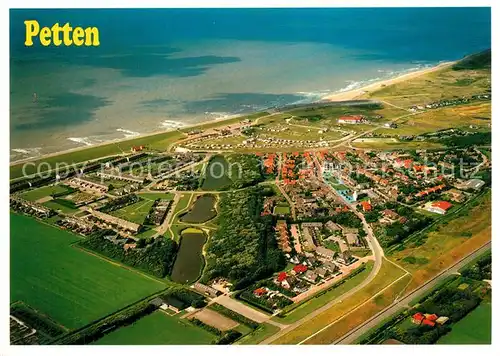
(245,170)
(119,203)
(421,334)
(477,138)
(186,296)
(244,248)
(360,178)
(372,216)
(397,232)
(229,337)
(451,302)
(188,181)
(156,258)
(479,270)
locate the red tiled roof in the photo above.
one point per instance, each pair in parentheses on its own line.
(442,205)
(300,268)
(281,276)
(259,291)
(407,163)
(428,322)
(432,317)
(419,316)
(366,205)
(351,118)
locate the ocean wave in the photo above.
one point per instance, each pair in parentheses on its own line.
(82,140)
(221,115)
(170,124)
(352,84)
(386,74)
(128,133)
(24,153)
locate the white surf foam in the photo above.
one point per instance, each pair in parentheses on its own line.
(128,133)
(170,124)
(220,115)
(82,140)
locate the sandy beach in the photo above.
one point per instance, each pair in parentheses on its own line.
(342,96)
(356,93)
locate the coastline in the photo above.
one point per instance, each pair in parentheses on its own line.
(339,96)
(355,93)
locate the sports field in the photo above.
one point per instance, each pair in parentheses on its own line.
(475,328)
(69,285)
(159,329)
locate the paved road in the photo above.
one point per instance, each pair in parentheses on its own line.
(354,334)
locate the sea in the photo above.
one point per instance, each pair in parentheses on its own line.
(160,69)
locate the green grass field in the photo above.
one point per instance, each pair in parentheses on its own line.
(52,204)
(285,210)
(158,329)
(474,328)
(68,284)
(35,194)
(136,212)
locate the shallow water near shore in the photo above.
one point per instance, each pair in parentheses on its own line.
(187,66)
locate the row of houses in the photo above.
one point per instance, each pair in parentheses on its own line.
(87,185)
(19,204)
(114,222)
